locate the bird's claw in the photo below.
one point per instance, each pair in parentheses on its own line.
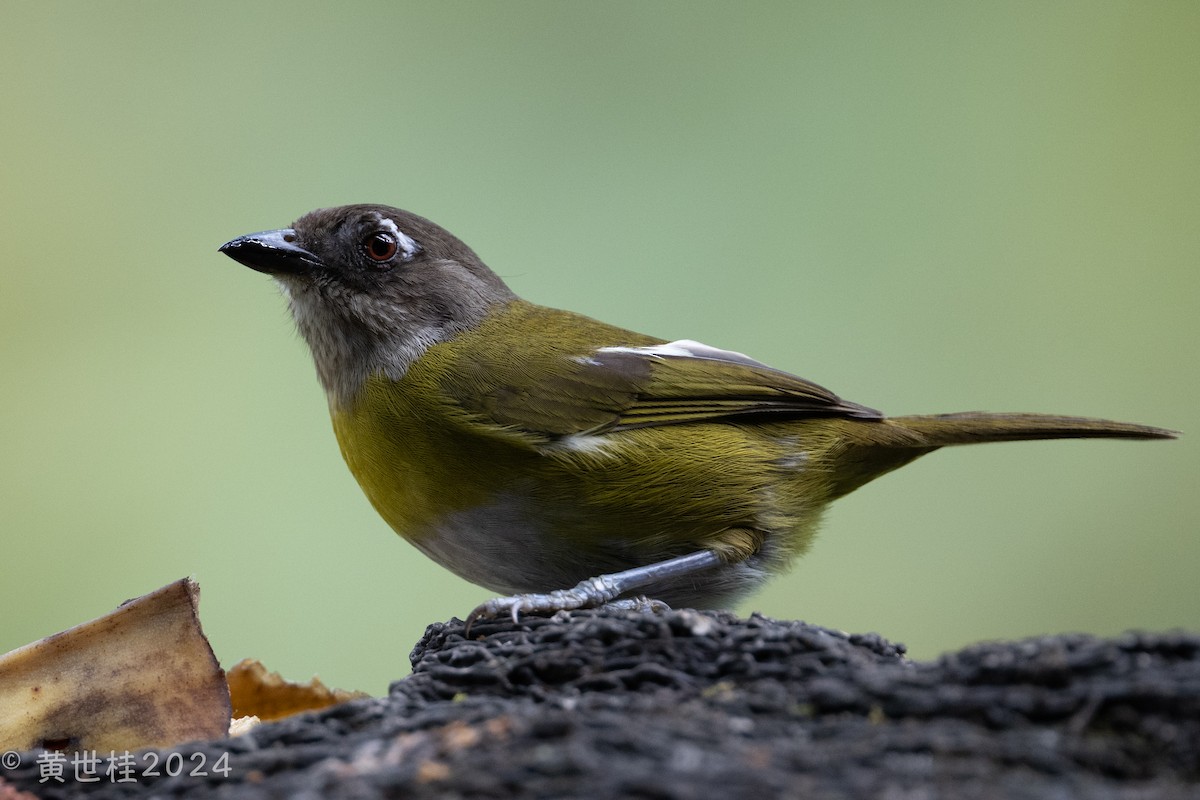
(586,594)
(642,603)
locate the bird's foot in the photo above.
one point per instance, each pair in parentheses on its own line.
(647,605)
(586,594)
(549,603)
(599,590)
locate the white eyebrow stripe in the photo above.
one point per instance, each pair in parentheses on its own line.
(686,348)
(403,240)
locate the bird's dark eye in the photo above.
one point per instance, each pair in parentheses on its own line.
(380,246)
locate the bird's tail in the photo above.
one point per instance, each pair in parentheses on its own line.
(872,449)
(939,430)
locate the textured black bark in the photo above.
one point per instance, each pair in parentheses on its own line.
(683,704)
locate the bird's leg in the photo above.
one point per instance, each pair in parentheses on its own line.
(597,591)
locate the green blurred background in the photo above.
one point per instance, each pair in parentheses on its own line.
(926,207)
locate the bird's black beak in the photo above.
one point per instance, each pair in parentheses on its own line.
(272,252)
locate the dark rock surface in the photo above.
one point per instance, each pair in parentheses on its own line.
(684,704)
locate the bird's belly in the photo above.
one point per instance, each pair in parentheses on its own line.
(501,546)
(509,548)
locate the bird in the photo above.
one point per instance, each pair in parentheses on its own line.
(563,462)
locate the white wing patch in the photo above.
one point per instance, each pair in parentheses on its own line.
(687,348)
(589,443)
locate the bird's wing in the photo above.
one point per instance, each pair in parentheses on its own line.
(552,393)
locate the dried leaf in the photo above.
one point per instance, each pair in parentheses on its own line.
(142,676)
(255,692)
(8,792)
(240,726)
